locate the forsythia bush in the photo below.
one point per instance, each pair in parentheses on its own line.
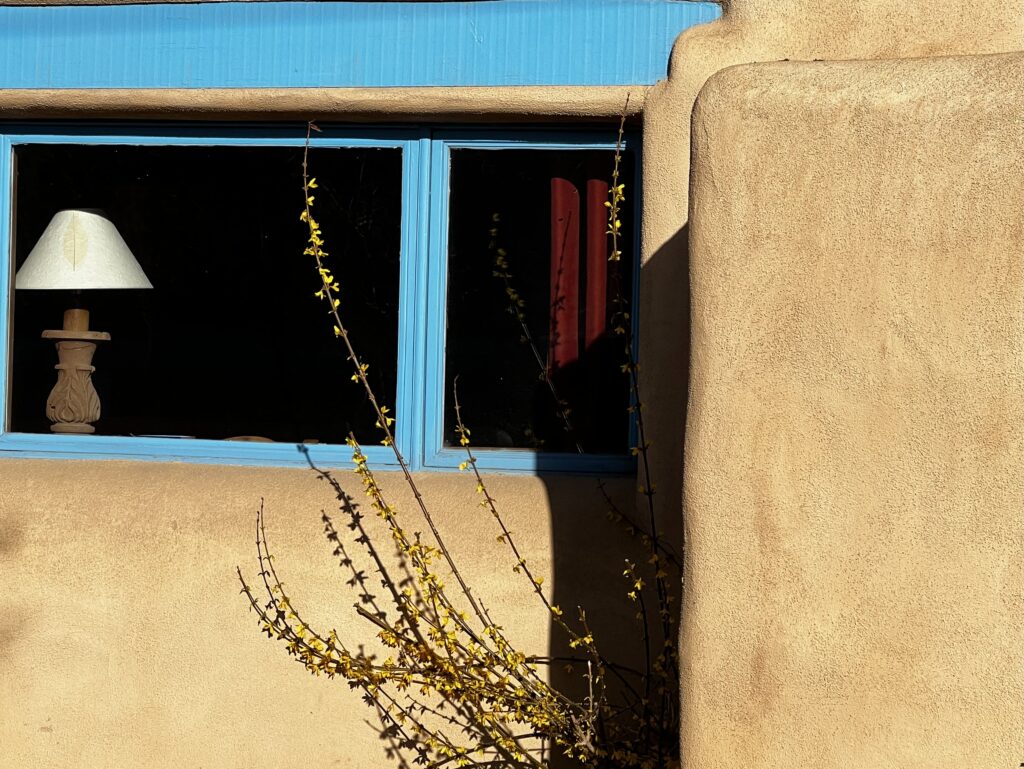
(453,690)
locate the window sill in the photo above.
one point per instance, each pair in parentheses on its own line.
(327,456)
(190,450)
(533,462)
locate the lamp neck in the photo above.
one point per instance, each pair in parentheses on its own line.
(76,319)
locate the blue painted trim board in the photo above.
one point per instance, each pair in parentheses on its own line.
(338,44)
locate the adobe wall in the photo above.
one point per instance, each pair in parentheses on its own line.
(801,30)
(763,31)
(752,31)
(126,641)
(855,452)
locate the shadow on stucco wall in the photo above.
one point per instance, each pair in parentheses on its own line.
(588,549)
(665,371)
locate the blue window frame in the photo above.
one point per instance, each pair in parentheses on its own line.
(420,397)
(436,455)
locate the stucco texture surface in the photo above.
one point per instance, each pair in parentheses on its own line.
(126,642)
(762,31)
(801,30)
(855,452)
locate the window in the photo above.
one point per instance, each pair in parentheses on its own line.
(229,359)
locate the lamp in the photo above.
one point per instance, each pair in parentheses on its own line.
(79,249)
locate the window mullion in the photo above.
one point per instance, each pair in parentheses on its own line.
(436,310)
(412,299)
(6,273)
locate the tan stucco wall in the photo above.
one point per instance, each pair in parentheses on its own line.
(126,643)
(855,455)
(752,31)
(766,31)
(805,30)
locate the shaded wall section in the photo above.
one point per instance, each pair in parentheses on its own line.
(854,483)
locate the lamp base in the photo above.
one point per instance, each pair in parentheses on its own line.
(73,404)
(72,427)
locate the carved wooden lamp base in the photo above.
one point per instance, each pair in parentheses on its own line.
(73,404)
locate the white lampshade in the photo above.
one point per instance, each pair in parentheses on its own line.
(81,249)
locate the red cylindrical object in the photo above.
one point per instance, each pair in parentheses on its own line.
(597,260)
(563,340)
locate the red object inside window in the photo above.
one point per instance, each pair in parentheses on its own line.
(577,272)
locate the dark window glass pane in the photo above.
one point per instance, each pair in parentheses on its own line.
(230,342)
(551,225)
